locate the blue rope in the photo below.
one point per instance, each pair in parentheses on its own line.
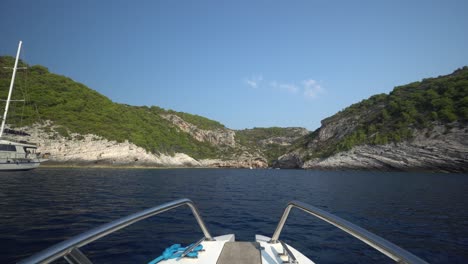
(176,251)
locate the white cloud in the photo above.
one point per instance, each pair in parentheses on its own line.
(312,88)
(310,82)
(254,81)
(289,87)
(309,88)
(285,86)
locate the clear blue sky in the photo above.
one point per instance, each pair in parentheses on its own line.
(243,63)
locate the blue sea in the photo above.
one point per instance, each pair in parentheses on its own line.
(424,213)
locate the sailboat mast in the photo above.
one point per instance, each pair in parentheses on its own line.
(11,89)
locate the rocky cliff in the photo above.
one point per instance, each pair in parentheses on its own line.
(219,137)
(420,126)
(89,150)
(92,150)
(437,149)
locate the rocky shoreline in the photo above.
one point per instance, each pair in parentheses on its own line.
(437,150)
(90,150)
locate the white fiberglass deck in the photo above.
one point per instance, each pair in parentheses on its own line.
(213,249)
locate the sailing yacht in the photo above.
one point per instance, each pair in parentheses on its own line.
(16,155)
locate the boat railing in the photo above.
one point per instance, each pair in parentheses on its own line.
(12,156)
(69,249)
(18,157)
(389,249)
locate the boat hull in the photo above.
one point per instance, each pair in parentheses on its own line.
(18,166)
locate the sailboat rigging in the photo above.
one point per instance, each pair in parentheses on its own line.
(16,155)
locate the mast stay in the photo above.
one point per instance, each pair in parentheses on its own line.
(11,89)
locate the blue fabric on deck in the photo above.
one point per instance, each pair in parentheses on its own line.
(176,251)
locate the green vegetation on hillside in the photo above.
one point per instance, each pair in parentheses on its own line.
(77,109)
(380,119)
(253,137)
(391,118)
(200,121)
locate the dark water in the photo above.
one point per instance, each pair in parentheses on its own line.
(426,214)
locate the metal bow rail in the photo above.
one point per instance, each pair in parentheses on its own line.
(69,249)
(389,249)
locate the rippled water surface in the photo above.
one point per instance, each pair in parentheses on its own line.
(426,214)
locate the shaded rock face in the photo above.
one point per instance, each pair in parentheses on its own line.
(338,126)
(289,161)
(216,137)
(337,129)
(437,149)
